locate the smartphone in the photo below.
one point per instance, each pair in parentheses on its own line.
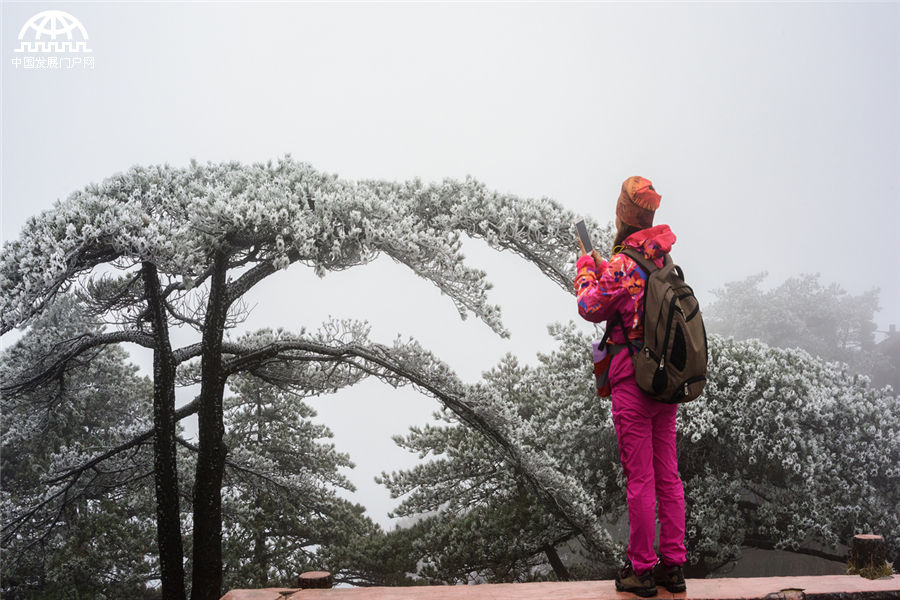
(583,235)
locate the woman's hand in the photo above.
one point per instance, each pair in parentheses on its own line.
(580,245)
(598,260)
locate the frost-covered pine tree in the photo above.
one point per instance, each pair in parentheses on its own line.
(480,519)
(281,512)
(93,532)
(788,451)
(475,519)
(279,493)
(802,312)
(783,451)
(191,241)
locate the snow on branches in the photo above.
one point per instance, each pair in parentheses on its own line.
(785,448)
(276,214)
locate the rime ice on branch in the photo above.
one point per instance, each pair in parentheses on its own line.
(271,215)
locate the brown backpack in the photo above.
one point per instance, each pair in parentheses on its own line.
(671,364)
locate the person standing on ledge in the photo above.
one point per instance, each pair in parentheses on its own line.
(613,291)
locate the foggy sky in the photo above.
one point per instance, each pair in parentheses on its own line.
(770,130)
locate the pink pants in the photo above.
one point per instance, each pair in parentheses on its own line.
(645,430)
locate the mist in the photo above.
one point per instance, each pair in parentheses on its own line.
(769,130)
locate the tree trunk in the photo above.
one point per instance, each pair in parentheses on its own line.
(165,472)
(260,553)
(207,574)
(562,573)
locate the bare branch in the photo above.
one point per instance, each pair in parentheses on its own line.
(179,285)
(197,323)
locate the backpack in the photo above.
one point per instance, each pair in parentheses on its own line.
(671,364)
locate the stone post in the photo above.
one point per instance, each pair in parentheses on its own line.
(315,580)
(868,557)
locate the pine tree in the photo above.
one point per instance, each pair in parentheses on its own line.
(93,534)
(782,451)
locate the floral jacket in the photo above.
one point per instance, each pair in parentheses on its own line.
(618,286)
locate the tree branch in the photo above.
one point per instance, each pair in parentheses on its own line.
(242,284)
(77,261)
(185,411)
(65,352)
(441,385)
(241,468)
(764,544)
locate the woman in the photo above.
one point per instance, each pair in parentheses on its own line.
(613,291)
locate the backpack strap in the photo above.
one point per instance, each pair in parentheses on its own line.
(646,265)
(617,320)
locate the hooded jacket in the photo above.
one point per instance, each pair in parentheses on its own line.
(618,286)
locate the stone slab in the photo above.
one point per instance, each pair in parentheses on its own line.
(828,587)
(260,594)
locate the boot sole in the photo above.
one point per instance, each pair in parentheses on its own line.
(674,587)
(642,592)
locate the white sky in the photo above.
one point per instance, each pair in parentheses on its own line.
(770,130)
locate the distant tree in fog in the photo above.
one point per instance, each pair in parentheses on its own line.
(802,312)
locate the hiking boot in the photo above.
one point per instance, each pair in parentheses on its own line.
(671,578)
(627,580)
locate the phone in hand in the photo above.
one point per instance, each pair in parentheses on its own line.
(581,228)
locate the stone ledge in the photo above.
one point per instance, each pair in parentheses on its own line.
(829,587)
